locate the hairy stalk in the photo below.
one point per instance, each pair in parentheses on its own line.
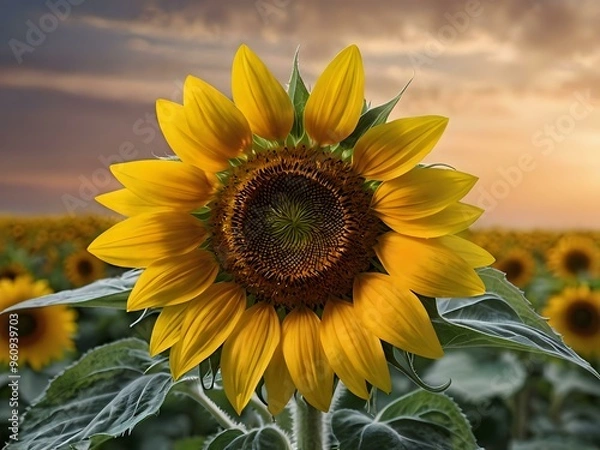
(261,410)
(222,418)
(308,427)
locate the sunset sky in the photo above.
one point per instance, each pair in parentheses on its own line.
(519,80)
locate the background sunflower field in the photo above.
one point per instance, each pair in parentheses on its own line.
(512,400)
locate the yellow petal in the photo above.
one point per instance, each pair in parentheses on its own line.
(171,183)
(145,238)
(167,328)
(221,127)
(334,105)
(421,192)
(391,149)
(189,147)
(473,254)
(258,94)
(354,353)
(124,202)
(395,314)
(209,321)
(306,359)
(248,351)
(427,267)
(278,382)
(173,280)
(456,217)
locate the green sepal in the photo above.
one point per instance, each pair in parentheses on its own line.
(209,370)
(298,95)
(372,117)
(404,362)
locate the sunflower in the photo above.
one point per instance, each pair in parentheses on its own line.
(574,256)
(575,313)
(12,270)
(44,334)
(297,255)
(82,268)
(518,265)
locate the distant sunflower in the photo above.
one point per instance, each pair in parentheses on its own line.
(17,231)
(82,268)
(12,270)
(575,313)
(295,230)
(44,334)
(518,265)
(574,256)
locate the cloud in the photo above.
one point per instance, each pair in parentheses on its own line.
(103,87)
(500,70)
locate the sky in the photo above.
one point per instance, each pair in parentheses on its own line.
(519,80)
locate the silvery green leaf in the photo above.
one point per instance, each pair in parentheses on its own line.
(104,394)
(108,292)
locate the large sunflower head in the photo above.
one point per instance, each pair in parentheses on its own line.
(575,313)
(575,256)
(518,265)
(82,268)
(295,248)
(44,334)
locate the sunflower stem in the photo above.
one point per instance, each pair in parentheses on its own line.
(308,427)
(261,409)
(222,418)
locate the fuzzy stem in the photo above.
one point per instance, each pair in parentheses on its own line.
(261,409)
(308,427)
(222,418)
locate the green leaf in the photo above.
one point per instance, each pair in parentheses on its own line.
(478,375)
(435,410)
(372,117)
(222,440)
(502,317)
(108,292)
(266,438)
(299,95)
(347,426)
(418,421)
(106,393)
(566,381)
(581,420)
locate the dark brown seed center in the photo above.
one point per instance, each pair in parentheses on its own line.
(294,226)
(85,268)
(583,318)
(513,268)
(577,261)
